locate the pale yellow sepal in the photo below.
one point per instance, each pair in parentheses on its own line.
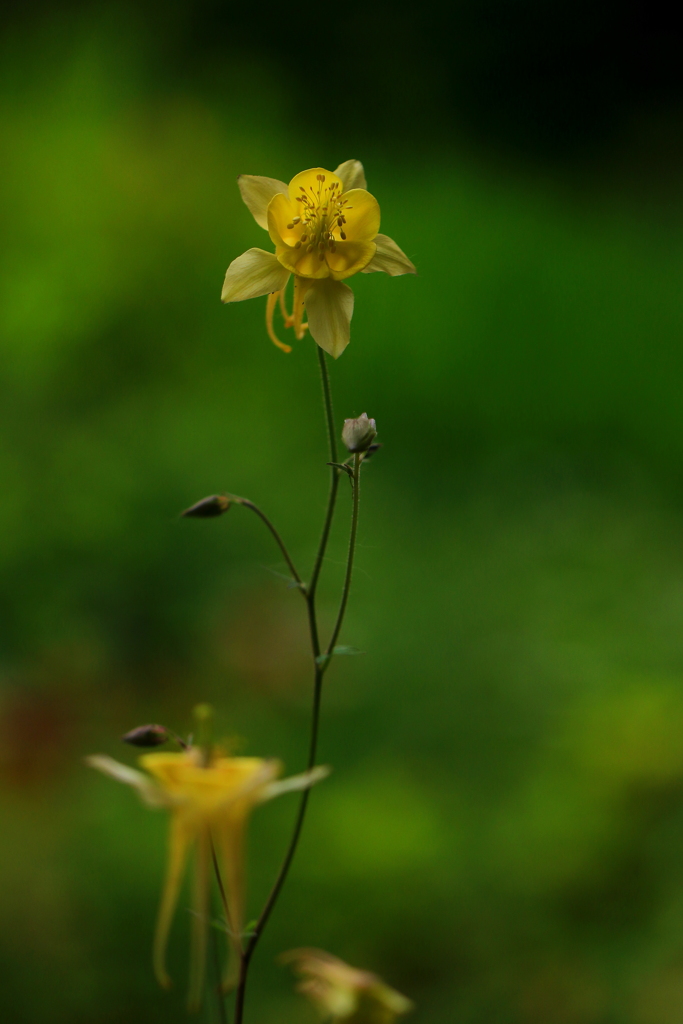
(351,174)
(256,272)
(257,192)
(389,259)
(295,783)
(329,305)
(150,793)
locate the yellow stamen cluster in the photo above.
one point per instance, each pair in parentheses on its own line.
(322,214)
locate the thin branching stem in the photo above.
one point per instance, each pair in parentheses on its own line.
(357,459)
(334,481)
(220,998)
(278,539)
(221,888)
(320,666)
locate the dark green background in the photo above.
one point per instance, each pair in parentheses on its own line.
(502,837)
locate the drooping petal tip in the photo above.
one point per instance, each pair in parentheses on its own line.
(329,305)
(183,831)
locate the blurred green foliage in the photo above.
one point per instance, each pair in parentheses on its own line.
(502,837)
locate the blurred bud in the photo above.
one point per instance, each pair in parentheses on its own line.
(359,434)
(371,450)
(215,505)
(344,993)
(147,736)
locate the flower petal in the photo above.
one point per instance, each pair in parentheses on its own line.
(309,182)
(278,216)
(256,272)
(329,305)
(230,838)
(295,782)
(351,174)
(301,262)
(183,832)
(257,192)
(151,794)
(390,999)
(349,258)
(230,826)
(389,259)
(249,792)
(362,215)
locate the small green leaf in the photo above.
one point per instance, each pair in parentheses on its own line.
(322,659)
(291,583)
(341,465)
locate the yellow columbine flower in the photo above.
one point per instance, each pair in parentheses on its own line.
(209,806)
(344,993)
(324,226)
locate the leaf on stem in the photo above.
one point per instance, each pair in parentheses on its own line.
(341,465)
(322,659)
(289,580)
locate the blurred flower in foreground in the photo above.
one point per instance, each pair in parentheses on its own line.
(344,993)
(324,228)
(210,805)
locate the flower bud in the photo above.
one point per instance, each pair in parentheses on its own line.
(215,505)
(359,434)
(345,993)
(147,736)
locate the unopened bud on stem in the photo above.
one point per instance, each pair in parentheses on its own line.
(359,434)
(215,505)
(147,736)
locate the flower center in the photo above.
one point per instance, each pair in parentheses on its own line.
(323,216)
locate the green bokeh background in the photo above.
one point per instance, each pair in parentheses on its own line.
(502,837)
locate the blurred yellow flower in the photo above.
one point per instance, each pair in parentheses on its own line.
(324,226)
(210,805)
(344,993)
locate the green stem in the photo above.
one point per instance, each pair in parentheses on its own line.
(286,863)
(334,483)
(278,539)
(221,888)
(220,999)
(349,562)
(319,670)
